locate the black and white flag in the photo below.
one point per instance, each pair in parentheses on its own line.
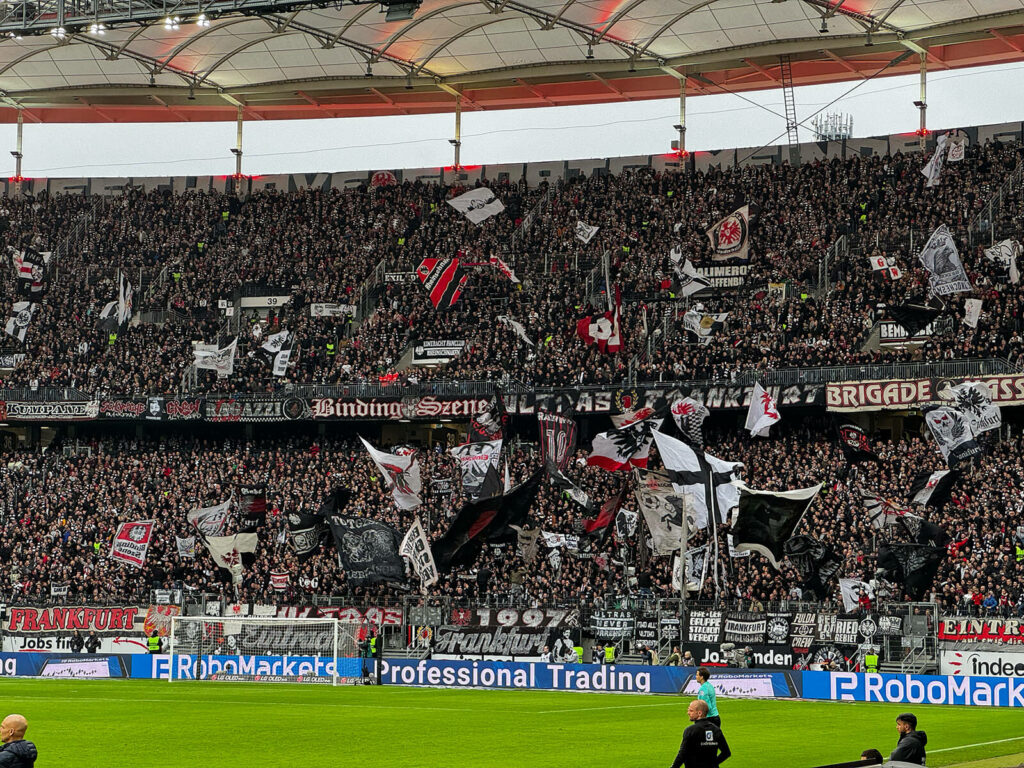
(59,590)
(703,326)
(252,508)
(932,489)
(568,488)
(401,474)
(730,237)
(478,463)
(30,270)
(933,170)
(416,547)
(211,521)
(662,508)
(307,529)
(881,512)
(690,280)
(972,312)
(518,328)
(946,274)
(852,590)
(816,563)
(707,480)
(585,232)
(21,317)
(1005,253)
(974,400)
(694,565)
(689,416)
(278,347)
(186,547)
(954,435)
(915,316)
(768,519)
(211,357)
(477,205)
(118,313)
(913,565)
(368,550)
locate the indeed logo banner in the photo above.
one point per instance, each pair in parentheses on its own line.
(981,663)
(915,689)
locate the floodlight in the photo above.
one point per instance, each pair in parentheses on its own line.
(172,23)
(97,29)
(202,20)
(59,32)
(400,11)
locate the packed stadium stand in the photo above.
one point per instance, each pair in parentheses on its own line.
(804,298)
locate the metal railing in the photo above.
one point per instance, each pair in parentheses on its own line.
(836,254)
(782,377)
(523,229)
(984,224)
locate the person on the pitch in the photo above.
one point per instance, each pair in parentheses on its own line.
(15,752)
(707,695)
(704,745)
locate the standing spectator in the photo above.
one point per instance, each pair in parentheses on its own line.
(92,643)
(77,642)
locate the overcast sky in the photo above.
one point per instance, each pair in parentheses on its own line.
(881,106)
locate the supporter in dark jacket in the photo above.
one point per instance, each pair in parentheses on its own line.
(910,748)
(15,752)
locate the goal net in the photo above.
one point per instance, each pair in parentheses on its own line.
(263,649)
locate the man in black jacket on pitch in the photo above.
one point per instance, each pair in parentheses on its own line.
(15,752)
(704,745)
(910,747)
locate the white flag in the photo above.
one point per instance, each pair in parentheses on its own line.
(1005,254)
(762,413)
(852,590)
(956,150)
(275,342)
(933,170)
(695,478)
(211,358)
(477,205)
(690,280)
(21,317)
(416,547)
(945,271)
(211,521)
(974,400)
(401,474)
(516,326)
(585,232)
(227,552)
(662,508)
(186,547)
(972,312)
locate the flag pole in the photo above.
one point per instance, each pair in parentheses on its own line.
(682,556)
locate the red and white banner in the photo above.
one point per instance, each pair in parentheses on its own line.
(158,619)
(131,542)
(991,630)
(67,619)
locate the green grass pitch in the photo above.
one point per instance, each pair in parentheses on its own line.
(156,724)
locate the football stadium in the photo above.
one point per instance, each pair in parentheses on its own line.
(647,460)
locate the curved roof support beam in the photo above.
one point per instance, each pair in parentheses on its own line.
(417,21)
(189,78)
(131,39)
(228,56)
(349,23)
(197,36)
(675,19)
(616,19)
(455,37)
(29,55)
(366,51)
(558,16)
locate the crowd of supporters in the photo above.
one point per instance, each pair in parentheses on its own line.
(185,253)
(59,511)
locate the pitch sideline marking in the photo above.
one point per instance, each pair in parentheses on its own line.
(215,702)
(981,744)
(623,706)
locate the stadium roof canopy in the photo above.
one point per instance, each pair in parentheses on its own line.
(124,60)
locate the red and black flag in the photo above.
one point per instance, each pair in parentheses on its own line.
(444,280)
(252,509)
(607,514)
(854,442)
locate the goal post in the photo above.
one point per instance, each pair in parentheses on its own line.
(264,649)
